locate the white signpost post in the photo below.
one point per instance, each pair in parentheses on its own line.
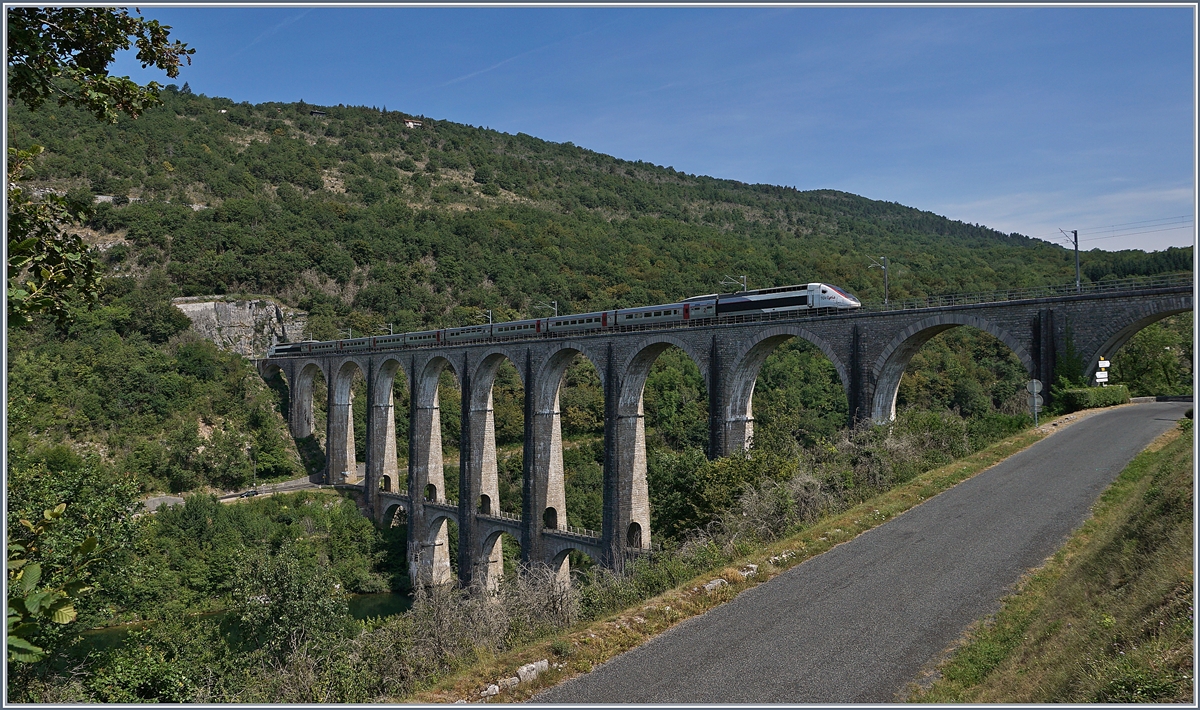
(1035,399)
(1102,376)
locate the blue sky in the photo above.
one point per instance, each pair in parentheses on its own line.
(1023,119)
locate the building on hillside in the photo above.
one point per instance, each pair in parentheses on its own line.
(412,123)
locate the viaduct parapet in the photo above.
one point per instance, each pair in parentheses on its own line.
(869,348)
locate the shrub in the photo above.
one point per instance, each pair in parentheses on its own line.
(1073,400)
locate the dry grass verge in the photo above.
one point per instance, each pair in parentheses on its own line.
(1109,618)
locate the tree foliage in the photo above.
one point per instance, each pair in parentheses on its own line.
(64,53)
(58,509)
(48,270)
(31,604)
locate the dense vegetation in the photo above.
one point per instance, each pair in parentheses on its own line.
(190,557)
(365,223)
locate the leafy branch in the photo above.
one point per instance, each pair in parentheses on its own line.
(64,53)
(30,607)
(46,265)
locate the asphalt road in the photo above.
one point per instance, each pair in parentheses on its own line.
(858,623)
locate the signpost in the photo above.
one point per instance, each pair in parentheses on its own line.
(1102,375)
(1035,399)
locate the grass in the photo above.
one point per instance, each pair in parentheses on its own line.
(589,644)
(1109,618)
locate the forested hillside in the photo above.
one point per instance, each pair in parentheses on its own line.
(366,223)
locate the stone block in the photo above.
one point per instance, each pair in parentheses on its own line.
(527,673)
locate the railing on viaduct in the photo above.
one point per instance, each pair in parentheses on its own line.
(869,348)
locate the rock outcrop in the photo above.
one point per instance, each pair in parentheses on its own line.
(247,327)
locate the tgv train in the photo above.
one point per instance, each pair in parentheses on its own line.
(697,308)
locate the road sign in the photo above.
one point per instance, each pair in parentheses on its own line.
(1102,376)
(1034,386)
(1105,363)
(1035,400)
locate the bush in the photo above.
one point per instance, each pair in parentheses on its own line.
(1073,400)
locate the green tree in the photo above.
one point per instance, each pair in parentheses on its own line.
(47,268)
(54,563)
(31,603)
(285,600)
(63,54)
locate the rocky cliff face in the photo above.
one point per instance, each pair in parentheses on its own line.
(246,327)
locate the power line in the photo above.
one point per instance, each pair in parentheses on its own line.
(1130,234)
(1144,221)
(1094,230)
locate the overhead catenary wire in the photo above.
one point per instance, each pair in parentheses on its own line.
(1148,231)
(1132,228)
(1144,221)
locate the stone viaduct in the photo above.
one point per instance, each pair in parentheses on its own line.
(869,348)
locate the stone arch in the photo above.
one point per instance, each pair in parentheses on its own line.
(300,395)
(633,535)
(268,369)
(544,463)
(490,561)
(633,495)
(633,380)
(482,469)
(382,467)
(385,380)
(560,563)
(425,427)
(437,520)
(344,376)
(549,378)
(341,460)
(393,513)
(485,374)
(891,363)
(1141,317)
(426,384)
(433,552)
(738,417)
